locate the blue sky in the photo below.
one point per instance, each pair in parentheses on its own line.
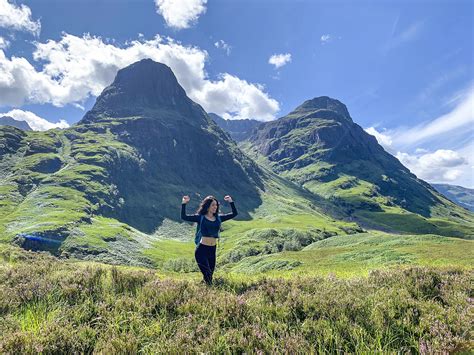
(403,68)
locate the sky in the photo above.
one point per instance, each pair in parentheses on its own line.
(404,69)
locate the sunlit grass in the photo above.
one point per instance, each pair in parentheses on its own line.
(49,305)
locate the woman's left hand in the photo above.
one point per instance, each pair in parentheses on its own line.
(228,198)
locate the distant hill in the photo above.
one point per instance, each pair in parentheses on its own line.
(10,121)
(461,195)
(239,130)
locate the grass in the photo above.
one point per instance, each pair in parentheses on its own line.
(395,218)
(48,208)
(359,254)
(97,233)
(164,250)
(59,306)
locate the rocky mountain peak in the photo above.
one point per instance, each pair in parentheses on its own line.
(324,103)
(139,88)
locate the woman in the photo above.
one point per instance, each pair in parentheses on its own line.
(209,222)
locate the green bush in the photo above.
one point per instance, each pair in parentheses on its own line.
(180,265)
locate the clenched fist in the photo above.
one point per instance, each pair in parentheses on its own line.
(228,198)
(185,199)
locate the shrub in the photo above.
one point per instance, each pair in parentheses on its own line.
(55,306)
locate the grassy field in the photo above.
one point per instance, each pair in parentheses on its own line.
(53,306)
(294,273)
(359,254)
(282,253)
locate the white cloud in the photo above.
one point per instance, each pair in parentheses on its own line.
(407,35)
(233,98)
(76,67)
(440,166)
(279,60)
(35,122)
(18,18)
(460,119)
(449,136)
(181,14)
(383,139)
(4,43)
(326,38)
(421,150)
(225,46)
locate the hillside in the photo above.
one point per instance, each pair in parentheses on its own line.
(319,147)
(462,196)
(110,187)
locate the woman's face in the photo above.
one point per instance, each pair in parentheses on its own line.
(213,206)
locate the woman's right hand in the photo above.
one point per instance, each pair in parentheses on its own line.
(185,199)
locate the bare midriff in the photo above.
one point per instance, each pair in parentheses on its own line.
(210,241)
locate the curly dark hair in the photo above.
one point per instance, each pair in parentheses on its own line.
(206,203)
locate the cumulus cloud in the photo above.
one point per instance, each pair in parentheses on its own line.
(452,132)
(77,67)
(441,166)
(180,14)
(18,18)
(279,60)
(35,122)
(383,139)
(234,98)
(222,45)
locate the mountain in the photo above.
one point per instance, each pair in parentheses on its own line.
(463,196)
(174,147)
(239,130)
(319,147)
(10,121)
(110,187)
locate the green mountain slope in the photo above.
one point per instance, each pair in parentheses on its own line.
(109,188)
(319,147)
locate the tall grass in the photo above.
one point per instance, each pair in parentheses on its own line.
(47,305)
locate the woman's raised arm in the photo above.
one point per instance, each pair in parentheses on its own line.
(225,217)
(184,216)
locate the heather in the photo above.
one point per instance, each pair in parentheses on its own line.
(53,306)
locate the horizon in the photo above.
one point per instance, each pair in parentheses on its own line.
(404,71)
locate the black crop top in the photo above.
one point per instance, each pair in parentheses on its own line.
(208,228)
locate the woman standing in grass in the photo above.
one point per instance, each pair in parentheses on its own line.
(208,225)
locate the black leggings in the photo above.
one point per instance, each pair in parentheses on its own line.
(206,259)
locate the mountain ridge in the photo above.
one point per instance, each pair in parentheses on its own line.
(323,150)
(109,187)
(239,130)
(105,187)
(460,195)
(10,121)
